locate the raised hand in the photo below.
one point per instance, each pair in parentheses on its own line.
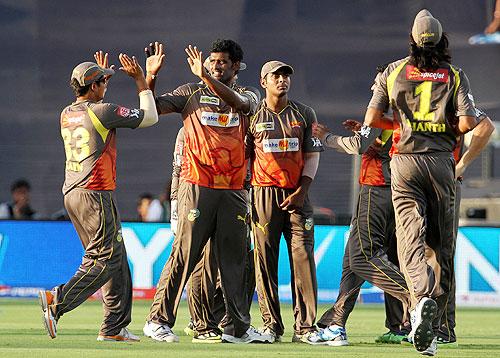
(320,131)
(101,59)
(195,60)
(130,66)
(352,125)
(154,57)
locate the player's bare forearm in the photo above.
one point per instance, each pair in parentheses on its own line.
(375,118)
(151,82)
(297,198)
(480,137)
(228,95)
(466,124)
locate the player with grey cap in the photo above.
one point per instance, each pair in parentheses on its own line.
(88,129)
(284,157)
(426,94)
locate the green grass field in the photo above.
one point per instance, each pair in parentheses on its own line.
(22,335)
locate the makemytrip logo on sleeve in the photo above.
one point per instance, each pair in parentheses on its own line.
(220,119)
(280,145)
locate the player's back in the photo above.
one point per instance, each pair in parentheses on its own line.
(425,102)
(88,132)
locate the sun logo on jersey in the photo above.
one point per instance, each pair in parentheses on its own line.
(223,119)
(414,73)
(283,144)
(193,214)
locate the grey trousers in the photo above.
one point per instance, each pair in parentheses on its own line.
(104,264)
(423,192)
(207,213)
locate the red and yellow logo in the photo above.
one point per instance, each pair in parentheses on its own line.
(223,119)
(414,74)
(283,144)
(295,123)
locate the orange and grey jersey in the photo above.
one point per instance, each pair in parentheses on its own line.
(214,133)
(88,130)
(374,144)
(177,163)
(276,143)
(425,103)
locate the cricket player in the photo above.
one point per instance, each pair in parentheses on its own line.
(426,93)
(214,204)
(371,232)
(285,158)
(88,129)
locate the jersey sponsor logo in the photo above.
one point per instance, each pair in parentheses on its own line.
(193,214)
(220,119)
(74,119)
(280,145)
(210,100)
(264,126)
(316,142)
(126,112)
(414,74)
(365,131)
(295,123)
(308,224)
(123,112)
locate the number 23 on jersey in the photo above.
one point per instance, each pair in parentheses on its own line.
(76,146)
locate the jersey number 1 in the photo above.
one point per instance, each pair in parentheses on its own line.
(424,90)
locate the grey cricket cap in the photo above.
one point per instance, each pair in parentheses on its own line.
(89,72)
(426,29)
(273,66)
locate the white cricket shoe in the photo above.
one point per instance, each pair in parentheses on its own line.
(432,349)
(123,336)
(250,336)
(313,338)
(46,298)
(334,336)
(422,316)
(270,332)
(159,332)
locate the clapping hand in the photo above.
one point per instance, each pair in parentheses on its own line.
(154,57)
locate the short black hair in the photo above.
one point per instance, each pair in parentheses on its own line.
(429,57)
(79,90)
(20,183)
(145,195)
(229,46)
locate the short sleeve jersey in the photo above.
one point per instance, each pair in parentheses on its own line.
(278,142)
(88,130)
(375,161)
(214,133)
(426,103)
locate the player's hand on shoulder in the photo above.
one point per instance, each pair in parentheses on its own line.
(130,66)
(154,57)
